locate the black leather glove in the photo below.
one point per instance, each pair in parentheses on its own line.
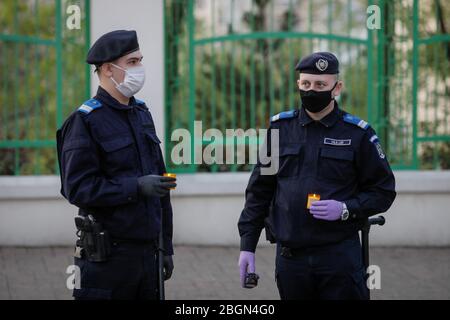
(168,267)
(155,186)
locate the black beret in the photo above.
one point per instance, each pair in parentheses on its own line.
(319,63)
(112,46)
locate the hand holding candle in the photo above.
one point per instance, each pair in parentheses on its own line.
(312,197)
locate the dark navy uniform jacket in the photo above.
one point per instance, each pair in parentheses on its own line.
(103,148)
(339,158)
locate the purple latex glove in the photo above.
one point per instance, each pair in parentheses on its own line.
(246,264)
(329,210)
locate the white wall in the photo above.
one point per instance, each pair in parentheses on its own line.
(207,207)
(146,17)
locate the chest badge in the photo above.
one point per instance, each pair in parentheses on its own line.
(337,142)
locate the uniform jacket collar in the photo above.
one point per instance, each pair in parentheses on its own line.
(328,121)
(105,97)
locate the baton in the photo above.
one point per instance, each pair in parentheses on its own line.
(380,220)
(365,236)
(161,267)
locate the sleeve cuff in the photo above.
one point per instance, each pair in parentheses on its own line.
(249,244)
(353,209)
(168,249)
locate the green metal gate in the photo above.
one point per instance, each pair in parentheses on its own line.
(415,68)
(43,78)
(230,64)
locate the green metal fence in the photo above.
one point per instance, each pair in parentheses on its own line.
(43,77)
(417,85)
(230,64)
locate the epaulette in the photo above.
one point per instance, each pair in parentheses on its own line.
(89,106)
(284,115)
(356,121)
(139,102)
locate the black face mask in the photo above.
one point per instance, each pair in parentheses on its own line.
(316,101)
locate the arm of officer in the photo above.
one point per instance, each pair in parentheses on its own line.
(82,179)
(375,179)
(258,196)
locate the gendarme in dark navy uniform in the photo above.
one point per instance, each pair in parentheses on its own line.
(105,148)
(338,157)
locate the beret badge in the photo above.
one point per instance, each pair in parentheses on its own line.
(322,64)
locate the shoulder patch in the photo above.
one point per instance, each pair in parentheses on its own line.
(89,106)
(356,121)
(284,115)
(374,139)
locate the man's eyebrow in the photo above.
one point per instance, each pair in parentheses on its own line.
(135,58)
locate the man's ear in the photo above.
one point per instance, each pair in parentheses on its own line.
(338,89)
(106,70)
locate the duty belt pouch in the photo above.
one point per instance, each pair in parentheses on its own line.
(97,246)
(94,241)
(286,252)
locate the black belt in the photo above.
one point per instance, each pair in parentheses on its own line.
(118,241)
(289,252)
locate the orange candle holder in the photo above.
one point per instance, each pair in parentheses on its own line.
(170,175)
(312,197)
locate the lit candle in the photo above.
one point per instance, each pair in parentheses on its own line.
(312,197)
(170,175)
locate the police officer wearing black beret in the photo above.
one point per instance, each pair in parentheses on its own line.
(332,176)
(112,169)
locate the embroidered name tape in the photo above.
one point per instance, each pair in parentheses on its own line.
(337,142)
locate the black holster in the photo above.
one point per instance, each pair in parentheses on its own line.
(93,240)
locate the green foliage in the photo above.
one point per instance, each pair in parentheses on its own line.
(29,105)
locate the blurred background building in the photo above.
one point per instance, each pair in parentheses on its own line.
(229,64)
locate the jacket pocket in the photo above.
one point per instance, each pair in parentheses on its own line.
(116,144)
(119,155)
(290,160)
(76,144)
(336,164)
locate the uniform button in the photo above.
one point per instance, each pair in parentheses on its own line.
(130,198)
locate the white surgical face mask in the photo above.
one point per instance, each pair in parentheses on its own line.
(133,82)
